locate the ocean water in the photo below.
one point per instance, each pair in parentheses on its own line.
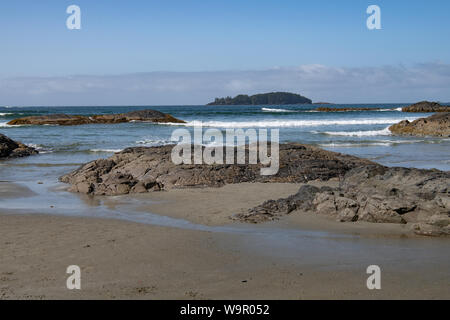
(361,133)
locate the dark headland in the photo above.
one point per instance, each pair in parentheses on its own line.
(271,98)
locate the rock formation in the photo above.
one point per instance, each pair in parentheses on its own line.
(420,198)
(144,169)
(69,120)
(426,106)
(435,125)
(12,149)
(367,191)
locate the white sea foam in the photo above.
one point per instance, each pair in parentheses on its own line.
(369,143)
(402,141)
(5,114)
(153,142)
(287,123)
(384,132)
(105,150)
(277,110)
(354,145)
(356,110)
(39,148)
(395,109)
(5,125)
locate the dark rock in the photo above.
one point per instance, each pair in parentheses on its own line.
(272,209)
(374,194)
(69,120)
(435,125)
(145,169)
(12,149)
(426,106)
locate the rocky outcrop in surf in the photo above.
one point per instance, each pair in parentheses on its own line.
(436,125)
(426,106)
(146,169)
(13,149)
(332,109)
(70,120)
(419,198)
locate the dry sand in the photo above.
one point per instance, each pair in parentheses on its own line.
(124,260)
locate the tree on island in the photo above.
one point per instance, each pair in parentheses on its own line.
(272,98)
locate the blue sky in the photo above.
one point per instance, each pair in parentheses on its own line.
(121,38)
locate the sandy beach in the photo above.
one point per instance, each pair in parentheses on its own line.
(299,257)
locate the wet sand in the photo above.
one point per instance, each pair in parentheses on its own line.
(213,206)
(9,190)
(300,257)
(197,206)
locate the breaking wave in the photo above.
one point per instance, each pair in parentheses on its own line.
(384,132)
(153,142)
(105,150)
(276,110)
(287,123)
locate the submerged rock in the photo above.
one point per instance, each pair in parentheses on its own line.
(332,109)
(426,106)
(145,169)
(13,149)
(420,198)
(70,120)
(435,125)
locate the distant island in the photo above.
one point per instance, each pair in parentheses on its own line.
(273,98)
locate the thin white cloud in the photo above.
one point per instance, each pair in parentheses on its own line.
(341,85)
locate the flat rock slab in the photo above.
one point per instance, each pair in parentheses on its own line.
(426,106)
(70,120)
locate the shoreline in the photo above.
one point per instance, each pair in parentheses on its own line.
(187,209)
(301,256)
(126,260)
